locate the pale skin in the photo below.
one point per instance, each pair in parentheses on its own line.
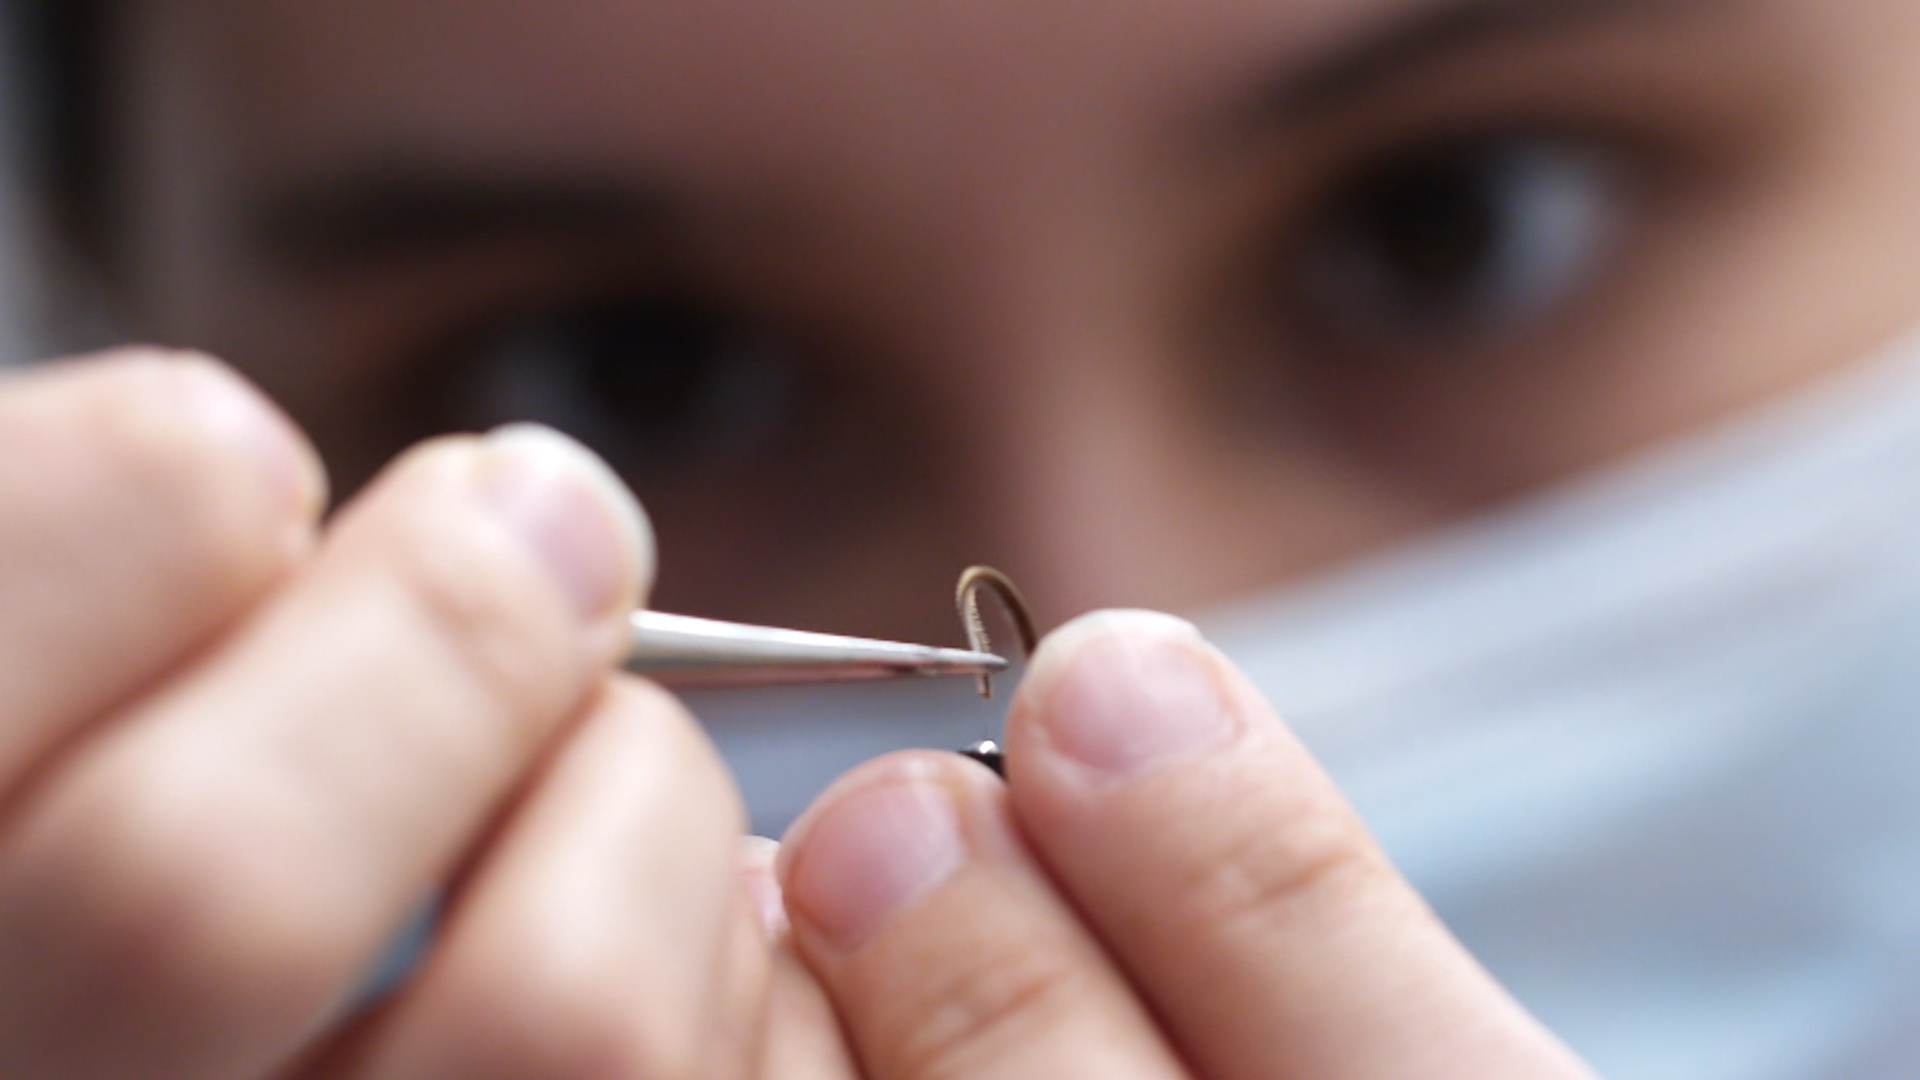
(238,753)
(241,743)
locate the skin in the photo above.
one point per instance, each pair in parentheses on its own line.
(1049,273)
(240,752)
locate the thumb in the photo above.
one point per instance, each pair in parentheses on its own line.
(1227,875)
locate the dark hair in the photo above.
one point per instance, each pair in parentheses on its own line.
(58,51)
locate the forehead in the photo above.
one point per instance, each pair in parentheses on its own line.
(696,82)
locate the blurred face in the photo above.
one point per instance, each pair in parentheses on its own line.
(1147,303)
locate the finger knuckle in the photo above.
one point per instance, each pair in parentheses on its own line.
(1001,996)
(180,475)
(493,633)
(584,1021)
(1262,870)
(206,912)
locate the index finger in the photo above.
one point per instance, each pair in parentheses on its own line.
(221,860)
(146,501)
(1230,878)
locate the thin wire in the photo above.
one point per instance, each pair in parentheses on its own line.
(966,597)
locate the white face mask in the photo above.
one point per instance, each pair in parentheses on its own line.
(1650,743)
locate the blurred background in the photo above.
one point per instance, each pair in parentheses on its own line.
(24,317)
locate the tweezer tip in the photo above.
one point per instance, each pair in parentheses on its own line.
(686,649)
(986,662)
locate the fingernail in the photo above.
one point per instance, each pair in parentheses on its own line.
(872,852)
(229,408)
(1119,691)
(762,882)
(574,513)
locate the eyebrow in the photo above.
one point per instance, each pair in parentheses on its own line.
(1352,71)
(390,213)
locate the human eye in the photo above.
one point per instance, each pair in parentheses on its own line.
(754,439)
(660,386)
(1459,241)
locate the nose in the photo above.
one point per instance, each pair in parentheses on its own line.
(1095,481)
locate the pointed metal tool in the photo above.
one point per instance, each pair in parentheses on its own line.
(682,651)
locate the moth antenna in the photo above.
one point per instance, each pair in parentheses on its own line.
(966,595)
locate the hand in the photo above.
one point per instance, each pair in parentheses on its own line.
(1166,887)
(238,750)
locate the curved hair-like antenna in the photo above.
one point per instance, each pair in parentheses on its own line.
(966,596)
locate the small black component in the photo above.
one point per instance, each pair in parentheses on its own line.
(988,753)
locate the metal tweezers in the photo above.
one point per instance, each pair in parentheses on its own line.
(681,651)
